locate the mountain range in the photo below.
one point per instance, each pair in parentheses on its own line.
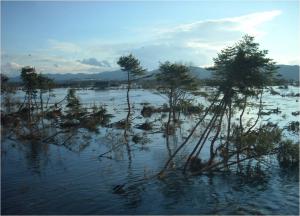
(288,72)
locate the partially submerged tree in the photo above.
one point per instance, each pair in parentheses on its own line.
(73,104)
(30,82)
(4,80)
(7,100)
(242,70)
(132,67)
(175,82)
(45,85)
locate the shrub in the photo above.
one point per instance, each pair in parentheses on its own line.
(288,154)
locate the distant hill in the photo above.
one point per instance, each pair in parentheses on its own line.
(200,73)
(109,75)
(69,77)
(288,72)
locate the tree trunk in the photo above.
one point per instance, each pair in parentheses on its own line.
(212,152)
(209,127)
(42,107)
(228,133)
(190,135)
(241,130)
(170,112)
(128,106)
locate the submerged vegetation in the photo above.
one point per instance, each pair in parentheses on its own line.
(34,120)
(241,72)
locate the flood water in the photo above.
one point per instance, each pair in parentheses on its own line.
(73,179)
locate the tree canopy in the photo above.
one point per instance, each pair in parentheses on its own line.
(244,67)
(176,76)
(131,65)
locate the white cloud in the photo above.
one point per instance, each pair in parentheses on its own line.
(94,62)
(196,42)
(11,68)
(249,23)
(63,46)
(200,41)
(54,65)
(47,64)
(246,24)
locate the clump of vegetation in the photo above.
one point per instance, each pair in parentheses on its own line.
(292,94)
(145,126)
(74,110)
(98,117)
(119,124)
(175,82)
(188,108)
(147,111)
(288,154)
(53,114)
(34,120)
(271,111)
(196,164)
(293,126)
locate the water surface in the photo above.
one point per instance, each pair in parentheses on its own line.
(53,179)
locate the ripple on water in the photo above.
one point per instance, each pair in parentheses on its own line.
(65,182)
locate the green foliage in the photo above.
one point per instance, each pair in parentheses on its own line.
(99,116)
(266,140)
(29,78)
(175,81)
(131,65)
(73,103)
(4,80)
(33,81)
(44,83)
(293,126)
(145,126)
(176,76)
(188,108)
(244,67)
(288,153)
(261,142)
(147,110)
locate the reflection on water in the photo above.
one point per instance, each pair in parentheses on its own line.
(72,179)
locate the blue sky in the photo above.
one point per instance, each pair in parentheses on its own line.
(72,37)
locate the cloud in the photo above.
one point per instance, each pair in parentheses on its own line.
(209,28)
(200,41)
(53,65)
(66,47)
(11,68)
(95,62)
(249,23)
(45,63)
(197,42)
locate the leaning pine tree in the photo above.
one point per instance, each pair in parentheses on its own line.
(240,72)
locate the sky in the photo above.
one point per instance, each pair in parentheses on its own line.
(89,37)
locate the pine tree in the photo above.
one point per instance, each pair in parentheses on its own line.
(132,67)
